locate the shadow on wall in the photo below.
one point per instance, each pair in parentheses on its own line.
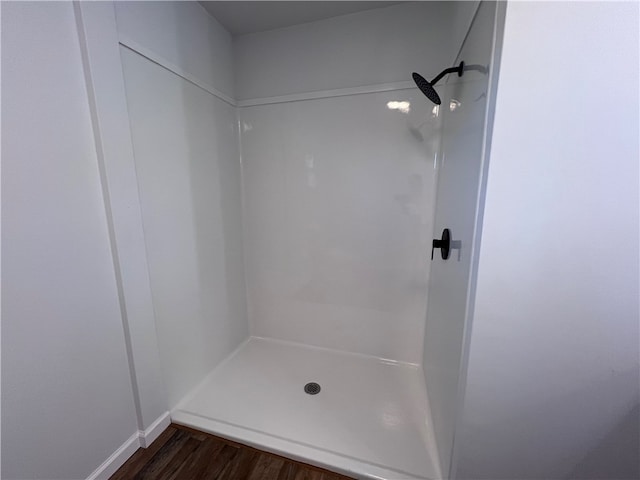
(616,455)
(587,431)
(215,185)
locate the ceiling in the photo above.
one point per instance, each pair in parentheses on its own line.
(241,17)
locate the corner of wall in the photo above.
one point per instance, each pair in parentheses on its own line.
(110,121)
(140,439)
(153,431)
(499,22)
(465,13)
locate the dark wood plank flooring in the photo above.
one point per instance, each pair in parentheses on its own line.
(183,453)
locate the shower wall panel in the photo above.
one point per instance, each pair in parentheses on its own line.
(185,143)
(339,196)
(465,105)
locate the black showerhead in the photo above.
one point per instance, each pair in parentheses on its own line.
(427,87)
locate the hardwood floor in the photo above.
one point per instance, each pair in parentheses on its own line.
(182,453)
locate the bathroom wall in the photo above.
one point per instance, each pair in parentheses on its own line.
(182,34)
(186,154)
(338,202)
(463,14)
(377,46)
(553,379)
(67,400)
(339,190)
(464,102)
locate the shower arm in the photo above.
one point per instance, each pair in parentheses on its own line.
(459,70)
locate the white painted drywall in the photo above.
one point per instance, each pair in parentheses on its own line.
(241,18)
(376,46)
(554,361)
(67,401)
(103,71)
(339,210)
(459,175)
(186,153)
(184,34)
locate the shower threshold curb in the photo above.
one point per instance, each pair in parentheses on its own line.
(288,448)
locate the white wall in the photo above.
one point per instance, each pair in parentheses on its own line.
(464,102)
(183,34)
(105,84)
(339,190)
(463,14)
(186,154)
(67,401)
(373,47)
(339,210)
(554,364)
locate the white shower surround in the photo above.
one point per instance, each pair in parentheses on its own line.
(338,200)
(336,230)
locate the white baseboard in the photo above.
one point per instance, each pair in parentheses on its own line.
(154,430)
(139,439)
(117,459)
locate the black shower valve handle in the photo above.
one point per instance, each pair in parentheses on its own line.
(444,244)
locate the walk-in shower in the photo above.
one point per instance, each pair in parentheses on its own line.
(289,212)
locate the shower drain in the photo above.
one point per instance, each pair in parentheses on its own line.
(312,388)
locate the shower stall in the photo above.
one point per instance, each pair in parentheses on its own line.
(291,184)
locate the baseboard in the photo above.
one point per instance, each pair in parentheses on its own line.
(154,430)
(123,453)
(117,459)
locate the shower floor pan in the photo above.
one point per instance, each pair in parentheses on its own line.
(370,419)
